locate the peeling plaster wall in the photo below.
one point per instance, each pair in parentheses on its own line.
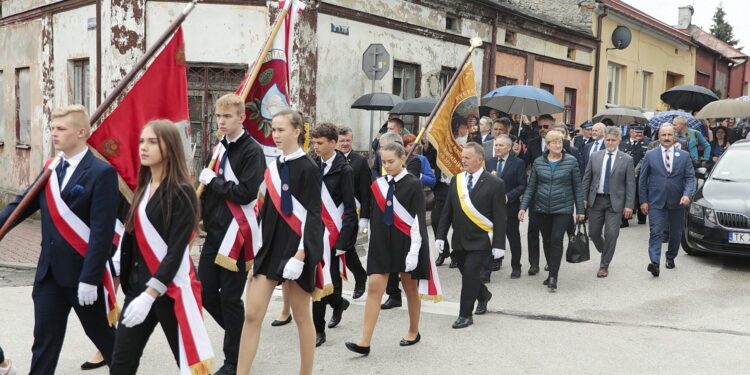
(11,7)
(337,88)
(73,41)
(214,33)
(123,39)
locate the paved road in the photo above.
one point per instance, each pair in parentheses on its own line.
(694,319)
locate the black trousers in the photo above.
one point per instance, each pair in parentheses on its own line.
(532,238)
(221,292)
(52,304)
(472,288)
(513,234)
(441,195)
(130,342)
(334,300)
(392,288)
(355,265)
(553,228)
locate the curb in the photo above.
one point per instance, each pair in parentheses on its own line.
(18,266)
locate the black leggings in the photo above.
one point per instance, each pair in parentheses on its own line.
(553,228)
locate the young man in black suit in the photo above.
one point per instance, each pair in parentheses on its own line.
(476,210)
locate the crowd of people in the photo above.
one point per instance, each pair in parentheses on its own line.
(294,222)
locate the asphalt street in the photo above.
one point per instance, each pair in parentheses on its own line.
(694,319)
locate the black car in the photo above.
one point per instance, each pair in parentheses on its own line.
(718,220)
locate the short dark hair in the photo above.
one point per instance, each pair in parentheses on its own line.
(503,120)
(545,117)
(397,121)
(345,130)
(325,130)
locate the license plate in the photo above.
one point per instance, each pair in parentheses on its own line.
(742,238)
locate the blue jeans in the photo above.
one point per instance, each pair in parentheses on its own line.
(657,217)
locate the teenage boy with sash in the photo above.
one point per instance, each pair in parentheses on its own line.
(78,207)
(230,222)
(476,210)
(339,214)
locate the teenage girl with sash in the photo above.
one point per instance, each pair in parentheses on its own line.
(398,243)
(292,233)
(156,271)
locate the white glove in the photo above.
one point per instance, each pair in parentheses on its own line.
(86,294)
(498,253)
(364,224)
(206,176)
(137,310)
(293,269)
(411,261)
(440,244)
(340,252)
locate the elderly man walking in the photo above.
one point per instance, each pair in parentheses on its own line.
(666,184)
(609,191)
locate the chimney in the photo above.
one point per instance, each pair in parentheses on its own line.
(684,17)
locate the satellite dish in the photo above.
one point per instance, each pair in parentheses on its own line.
(621,37)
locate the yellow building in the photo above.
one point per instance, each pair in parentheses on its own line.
(658,58)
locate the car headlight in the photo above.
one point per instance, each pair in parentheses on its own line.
(701,212)
(710,215)
(696,210)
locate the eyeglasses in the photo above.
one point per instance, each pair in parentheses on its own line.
(545,126)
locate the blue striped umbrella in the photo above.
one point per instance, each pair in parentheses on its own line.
(668,116)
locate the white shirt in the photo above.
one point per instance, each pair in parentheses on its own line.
(474,179)
(329,163)
(347,154)
(293,156)
(600,189)
(544,145)
(505,160)
(670,151)
(235,138)
(398,177)
(73,163)
(595,147)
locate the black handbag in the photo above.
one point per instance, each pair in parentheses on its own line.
(578,246)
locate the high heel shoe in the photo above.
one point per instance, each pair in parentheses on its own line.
(405,342)
(364,350)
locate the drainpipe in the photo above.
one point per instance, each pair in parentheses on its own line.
(598,57)
(98,52)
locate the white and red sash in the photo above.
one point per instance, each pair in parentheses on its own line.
(296,221)
(76,233)
(196,353)
(243,233)
(333,217)
(428,289)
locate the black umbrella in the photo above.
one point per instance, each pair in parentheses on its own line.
(688,97)
(415,107)
(377,101)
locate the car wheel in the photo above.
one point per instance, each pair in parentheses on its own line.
(685,246)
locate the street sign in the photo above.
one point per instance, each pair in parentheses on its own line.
(376,61)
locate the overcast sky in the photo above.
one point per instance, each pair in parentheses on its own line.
(737,14)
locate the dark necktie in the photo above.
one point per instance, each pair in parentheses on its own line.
(607,172)
(61,169)
(286,193)
(322,171)
(499,166)
(470,183)
(388,212)
(222,164)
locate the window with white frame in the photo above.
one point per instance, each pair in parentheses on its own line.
(645,97)
(614,83)
(80,82)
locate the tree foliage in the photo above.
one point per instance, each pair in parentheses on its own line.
(721,29)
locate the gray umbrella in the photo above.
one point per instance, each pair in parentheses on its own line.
(415,107)
(377,101)
(621,115)
(725,108)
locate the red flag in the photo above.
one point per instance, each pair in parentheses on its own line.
(270,91)
(160,93)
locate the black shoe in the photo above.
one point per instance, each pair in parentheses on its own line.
(496,264)
(364,350)
(653,268)
(320,338)
(336,317)
(484,278)
(624,224)
(359,290)
(670,264)
(453,264)
(405,342)
(546,282)
(227,369)
(515,274)
(279,323)
(441,259)
(482,305)
(642,221)
(533,270)
(552,283)
(391,303)
(90,365)
(462,322)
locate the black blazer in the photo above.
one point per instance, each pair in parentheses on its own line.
(91,193)
(488,196)
(362,180)
(134,271)
(514,178)
(340,184)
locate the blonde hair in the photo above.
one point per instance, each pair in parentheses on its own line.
(554,135)
(231,100)
(76,114)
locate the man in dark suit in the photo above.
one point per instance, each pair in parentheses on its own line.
(64,278)
(635,145)
(476,210)
(667,183)
(597,134)
(512,171)
(581,140)
(362,180)
(609,195)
